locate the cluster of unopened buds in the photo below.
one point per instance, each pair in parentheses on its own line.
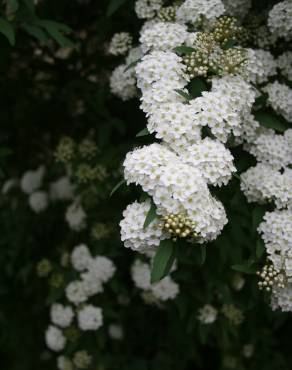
(179,226)
(226,29)
(270,278)
(167,14)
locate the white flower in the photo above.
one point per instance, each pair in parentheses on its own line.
(75,216)
(284,63)
(164,290)
(75,292)
(38,201)
(146,9)
(61,316)
(207,314)
(237,8)
(133,233)
(90,318)
(116,331)
(61,189)
(280,97)
(102,267)
(280,19)
(192,10)
(120,43)
(282,298)
(32,180)
(81,257)
(261,65)
(213,159)
(123,82)
(276,231)
(55,339)
(163,36)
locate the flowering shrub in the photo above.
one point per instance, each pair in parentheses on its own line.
(146,181)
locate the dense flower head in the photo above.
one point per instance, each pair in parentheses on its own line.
(282,298)
(133,233)
(264,183)
(212,158)
(237,8)
(76,292)
(191,11)
(75,216)
(276,231)
(163,36)
(261,65)
(38,201)
(32,180)
(280,19)
(55,339)
(207,314)
(90,318)
(61,316)
(164,290)
(120,43)
(160,65)
(123,83)
(272,149)
(80,257)
(61,189)
(284,63)
(174,122)
(280,97)
(146,9)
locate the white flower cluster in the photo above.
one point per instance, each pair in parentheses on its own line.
(193,10)
(32,180)
(176,187)
(261,65)
(61,189)
(123,83)
(146,9)
(75,216)
(207,314)
(163,36)
(95,272)
(237,8)
(284,63)
(280,19)
(90,318)
(177,172)
(134,235)
(55,339)
(38,201)
(165,289)
(120,43)
(61,316)
(280,97)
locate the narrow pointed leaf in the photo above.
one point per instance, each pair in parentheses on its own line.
(151,215)
(143,132)
(120,183)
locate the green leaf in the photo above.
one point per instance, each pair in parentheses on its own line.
(197,86)
(120,183)
(143,132)
(133,64)
(246,268)
(257,216)
(113,6)
(36,32)
(184,94)
(260,248)
(184,50)
(151,215)
(270,121)
(56,30)
(7,30)
(203,254)
(235,174)
(163,260)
